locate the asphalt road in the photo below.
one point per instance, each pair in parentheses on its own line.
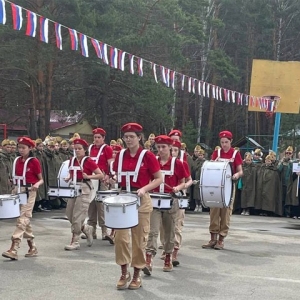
(261,261)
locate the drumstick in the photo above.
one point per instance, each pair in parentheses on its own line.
(297,186)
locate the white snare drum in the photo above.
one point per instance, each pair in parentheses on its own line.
(216,184)
(23,198)
(161,200)
(63,173)
(121,211)
(100,195)
(183,202)
(9,206)
(71,191)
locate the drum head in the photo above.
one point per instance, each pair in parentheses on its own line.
(228,185)
(63,173)
(120,199)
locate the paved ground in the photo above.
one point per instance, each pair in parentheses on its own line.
(261,261)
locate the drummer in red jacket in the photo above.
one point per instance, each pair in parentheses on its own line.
(220,217)
(128,163)
(29,172)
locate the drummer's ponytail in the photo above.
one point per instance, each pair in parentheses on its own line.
(142,138)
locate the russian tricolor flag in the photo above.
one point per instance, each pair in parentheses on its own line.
(97,48)
(31,23)
(167,77)
(74,39)
(103,48)
(122,60)
(163,74)
(84,46)
(154,72)
(140,66)
(131,59)
(17,16)
(182,82)
(2,12)
(44,29)
(114,57)
(58,36)
(172,79)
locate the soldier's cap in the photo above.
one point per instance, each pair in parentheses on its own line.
(163,139)
(225,134)
(176,144)
(132,127)
(99,131)
(5,142)
(24,140)
(175,132)
(81,142)
(116,148)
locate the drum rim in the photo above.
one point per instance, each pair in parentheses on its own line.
(166,196)
(10,197)
(108,192)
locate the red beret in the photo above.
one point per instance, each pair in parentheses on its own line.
(132,127)
(81,142)
(24,140)
(99,131)
(175,132)
(116,148)
(163,139)
(225,134)
(176,144)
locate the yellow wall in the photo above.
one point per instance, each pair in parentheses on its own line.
(82,127)
(276,78)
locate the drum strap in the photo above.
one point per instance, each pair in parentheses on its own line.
(224,159)
(96,158)
(77,168)
(181,155)
(17,179)
(112,172)
(167,172)
(127,174)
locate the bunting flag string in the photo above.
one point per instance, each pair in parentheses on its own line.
(2,12)
(17,16)
(31,23)
(44,30)
(117,58)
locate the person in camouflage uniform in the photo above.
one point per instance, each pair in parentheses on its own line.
(64,150)
(7,161)
(196,172)
(42,192)
(51,165)
(13,151)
